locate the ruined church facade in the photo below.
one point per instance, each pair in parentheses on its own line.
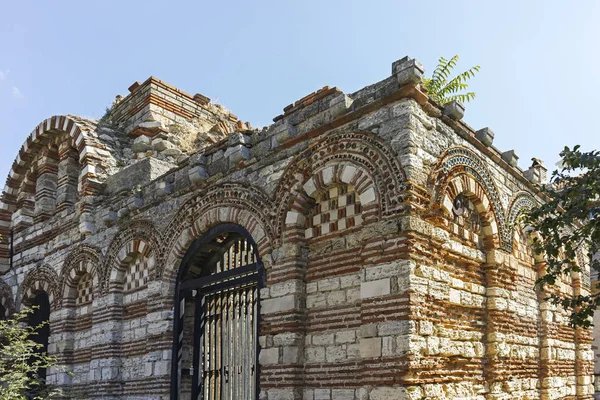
(364,246)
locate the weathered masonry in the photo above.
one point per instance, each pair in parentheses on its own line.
(364,246)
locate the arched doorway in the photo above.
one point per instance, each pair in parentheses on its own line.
(215,333)
(40,303)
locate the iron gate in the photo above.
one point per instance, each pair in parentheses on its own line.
(220,278)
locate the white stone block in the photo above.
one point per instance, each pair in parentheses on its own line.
(370,289)
(269,356)
(323,339)
(342,394)
(279,394)
(388,393)
(454,296)
(370,347)
(322,394)
(335,354)
(309,187)
(291,355)
(368,196)
(278,304)
(308,394)
(327,175)
(345,337)
(348,173)
(314,354)
(294,218)
(329,284)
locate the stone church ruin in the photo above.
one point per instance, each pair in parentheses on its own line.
(364,246)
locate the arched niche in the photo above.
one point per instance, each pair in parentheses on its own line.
(349,152)
(337,198)
(135,247)
(460,170)
(468,212)
(133,267)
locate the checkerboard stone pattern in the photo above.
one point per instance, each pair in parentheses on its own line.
(138,273)
(337,208)
(84,290)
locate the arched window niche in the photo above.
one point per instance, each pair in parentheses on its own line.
(215,335)
(465,219)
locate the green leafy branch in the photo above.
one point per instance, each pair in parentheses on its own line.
(443,89)
(568,224)
(20,360)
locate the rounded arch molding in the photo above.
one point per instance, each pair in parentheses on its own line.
(520,202)
(228,203)
(124,243)
(40,278)
(78,129)
(458,161)
(363,150)
(82,259)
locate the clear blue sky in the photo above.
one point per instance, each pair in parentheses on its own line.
(538,87)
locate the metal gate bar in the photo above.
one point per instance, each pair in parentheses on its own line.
(224,359)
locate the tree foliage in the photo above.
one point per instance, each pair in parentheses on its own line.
(568,224)
(20,359)
(442,88)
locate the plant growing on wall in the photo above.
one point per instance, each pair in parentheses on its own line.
(443,89)
(20,359)
(568,225)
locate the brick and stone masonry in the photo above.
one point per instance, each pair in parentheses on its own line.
(395,267)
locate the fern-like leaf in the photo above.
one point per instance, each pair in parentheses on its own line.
(445,70)
(442,89)
(437,73)
(466,97)
(453,87)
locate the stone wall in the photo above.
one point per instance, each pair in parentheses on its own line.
(154,105)
(394,269)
